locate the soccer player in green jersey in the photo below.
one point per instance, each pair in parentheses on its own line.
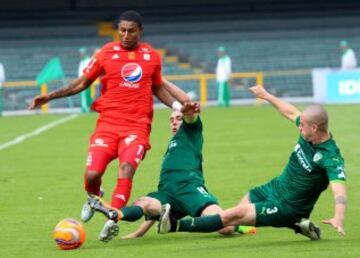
(287,200)
(181,183)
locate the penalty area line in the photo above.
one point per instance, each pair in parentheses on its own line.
(37,131)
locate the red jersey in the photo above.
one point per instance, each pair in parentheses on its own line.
(127,78)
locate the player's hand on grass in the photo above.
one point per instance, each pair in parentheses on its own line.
(337,224)
(39,101)
(131,236)
(259,91)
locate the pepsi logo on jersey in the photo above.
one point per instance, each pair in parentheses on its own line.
(131,72)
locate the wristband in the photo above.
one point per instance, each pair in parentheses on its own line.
(176,105)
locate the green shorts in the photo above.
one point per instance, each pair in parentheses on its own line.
(185,198)
(270,210)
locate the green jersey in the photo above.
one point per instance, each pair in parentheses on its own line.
(183,158)
(308,172)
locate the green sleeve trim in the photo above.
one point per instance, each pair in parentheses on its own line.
(338,181)
(193,121)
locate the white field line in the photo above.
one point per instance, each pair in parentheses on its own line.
(37,131)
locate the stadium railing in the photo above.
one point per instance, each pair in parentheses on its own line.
(17,95)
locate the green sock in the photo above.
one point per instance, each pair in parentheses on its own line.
(201,224)
(132,213)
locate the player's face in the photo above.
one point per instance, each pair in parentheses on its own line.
(130,33)
(175,121)
(307,129)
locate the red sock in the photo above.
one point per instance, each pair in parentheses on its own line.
(93,188)
(122,192)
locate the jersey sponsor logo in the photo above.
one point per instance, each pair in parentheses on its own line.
(131,72)
(116,48)
(318,156)
(99,143)
(302,159)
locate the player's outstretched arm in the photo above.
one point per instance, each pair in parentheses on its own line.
(286,109)
(144,227)
(176,92)
(339,191)
(72,88)
(190,111)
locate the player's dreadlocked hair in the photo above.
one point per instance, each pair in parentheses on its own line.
(132,16)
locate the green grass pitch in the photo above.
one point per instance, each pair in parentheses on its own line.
(41,182)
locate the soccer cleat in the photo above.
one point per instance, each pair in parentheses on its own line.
(109,231)
(97,204)
(87,212)
(245,229)
(308,229)
(166,222)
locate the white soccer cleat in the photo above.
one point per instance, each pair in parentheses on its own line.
(87,211)
(164,225)
(109,231)
(309,229)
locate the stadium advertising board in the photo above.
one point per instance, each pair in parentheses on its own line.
(336,86)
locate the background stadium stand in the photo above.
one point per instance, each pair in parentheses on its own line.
(284,39)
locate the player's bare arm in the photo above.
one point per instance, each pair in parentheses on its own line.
(72,88)
(286,109)
(141,231)
(176,92)
(163,95)
(339,191)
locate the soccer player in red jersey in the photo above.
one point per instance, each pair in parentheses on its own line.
(130,74)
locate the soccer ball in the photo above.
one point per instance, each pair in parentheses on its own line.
(69,234)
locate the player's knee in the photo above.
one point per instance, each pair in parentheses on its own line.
(149,205)
(92,176)
(127,170)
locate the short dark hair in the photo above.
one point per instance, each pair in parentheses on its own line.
(133,16)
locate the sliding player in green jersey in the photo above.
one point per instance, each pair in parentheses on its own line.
(181,185)
(287,200)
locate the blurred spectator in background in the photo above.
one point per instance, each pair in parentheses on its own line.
(223,73)
(348,58)
(2,75)
(85,95)
(2,80)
